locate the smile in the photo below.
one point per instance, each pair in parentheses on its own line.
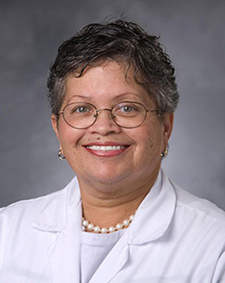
(106,148)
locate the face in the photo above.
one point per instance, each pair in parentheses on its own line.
(133,155)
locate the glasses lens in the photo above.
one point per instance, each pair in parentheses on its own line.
(79,115)
(129,114)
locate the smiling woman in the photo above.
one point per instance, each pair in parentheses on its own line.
(140,140)
(113,95)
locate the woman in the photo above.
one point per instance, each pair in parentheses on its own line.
(113,95)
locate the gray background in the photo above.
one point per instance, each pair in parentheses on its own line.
(194,36)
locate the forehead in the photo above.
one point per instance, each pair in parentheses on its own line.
(109,80)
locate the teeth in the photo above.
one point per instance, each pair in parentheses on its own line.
(105,148)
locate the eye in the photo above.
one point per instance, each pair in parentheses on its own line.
(79,109)
(126,108)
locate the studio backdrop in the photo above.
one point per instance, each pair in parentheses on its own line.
(193,35)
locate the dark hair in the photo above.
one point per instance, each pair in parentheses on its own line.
(123,42)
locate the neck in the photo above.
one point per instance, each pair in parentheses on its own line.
(108,205)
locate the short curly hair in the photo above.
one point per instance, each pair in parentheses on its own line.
(124,42)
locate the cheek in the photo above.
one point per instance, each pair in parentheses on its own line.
(150,143)
(151,137)
(69,137)
(152,146)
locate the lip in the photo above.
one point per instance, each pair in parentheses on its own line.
(106,149)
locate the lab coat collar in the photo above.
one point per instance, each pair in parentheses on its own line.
(151,219)
(155,213)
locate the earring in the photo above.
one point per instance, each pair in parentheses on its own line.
(164,153)
(60,155)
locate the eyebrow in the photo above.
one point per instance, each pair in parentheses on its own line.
(87,97)
(80,96)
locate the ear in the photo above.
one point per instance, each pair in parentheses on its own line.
(55,126)
(168,127)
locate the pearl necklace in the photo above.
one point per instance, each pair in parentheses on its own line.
(89,227)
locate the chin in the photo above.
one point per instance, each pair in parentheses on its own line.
(107,177)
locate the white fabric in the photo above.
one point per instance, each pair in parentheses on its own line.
(174,237)
(94,249)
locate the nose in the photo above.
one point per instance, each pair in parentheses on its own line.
(104,123)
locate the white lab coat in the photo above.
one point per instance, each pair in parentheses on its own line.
(174,237)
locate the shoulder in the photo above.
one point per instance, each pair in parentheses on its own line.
(190,204)
(25,211)
(199,218)
(195,205)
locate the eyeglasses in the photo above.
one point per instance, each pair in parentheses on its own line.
(127,114)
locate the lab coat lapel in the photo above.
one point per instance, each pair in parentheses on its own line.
(113,263)
(64,256)
(155,213)
(62,217)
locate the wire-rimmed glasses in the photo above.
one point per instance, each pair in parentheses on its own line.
(126,114)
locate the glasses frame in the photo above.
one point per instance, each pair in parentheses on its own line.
(107,109)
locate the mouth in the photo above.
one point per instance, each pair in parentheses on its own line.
(106,150)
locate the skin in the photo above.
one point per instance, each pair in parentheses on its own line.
(113,183)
